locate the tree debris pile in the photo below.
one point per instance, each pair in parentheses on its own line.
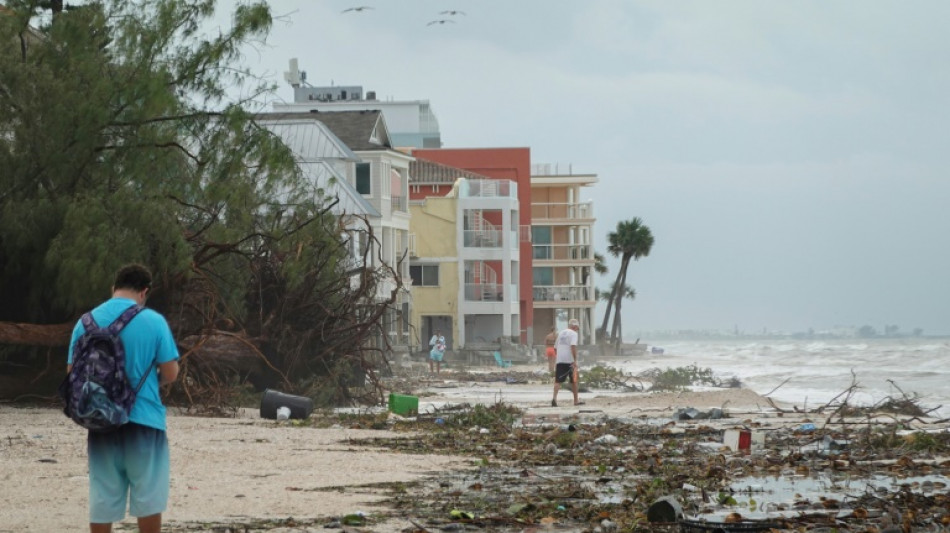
(605,476)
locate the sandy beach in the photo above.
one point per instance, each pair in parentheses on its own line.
(235,469)
(222,469)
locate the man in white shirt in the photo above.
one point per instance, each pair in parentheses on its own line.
(566,368)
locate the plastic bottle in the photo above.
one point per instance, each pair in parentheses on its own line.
(283,412)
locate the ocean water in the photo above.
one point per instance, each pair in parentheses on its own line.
(810,373)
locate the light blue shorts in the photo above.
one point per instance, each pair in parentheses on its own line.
(436,355)
(127,466)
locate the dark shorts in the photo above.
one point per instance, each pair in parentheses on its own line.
(564,372)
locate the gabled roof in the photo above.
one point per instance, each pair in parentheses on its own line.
(309,138)
(314,148)
(425,171)
(361,131)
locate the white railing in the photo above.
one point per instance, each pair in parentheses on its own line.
(583,210)
(485,238)
(549,169)
(562,293)
(563,252)
(399,203)
(484,292)
(489,189)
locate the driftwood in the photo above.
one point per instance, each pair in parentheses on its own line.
(35,334)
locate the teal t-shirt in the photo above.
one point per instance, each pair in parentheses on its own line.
(148,342)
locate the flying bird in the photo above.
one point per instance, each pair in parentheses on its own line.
(451,13)
(357,9)
(440,21)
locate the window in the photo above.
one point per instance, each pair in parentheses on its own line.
(424,275)
(362,178)
(541,239)
(543,276)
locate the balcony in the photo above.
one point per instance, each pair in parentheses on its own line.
(563,293)
(562,211)
(473,188)
(483,238)
(563,252)
(484,292)
(399,203)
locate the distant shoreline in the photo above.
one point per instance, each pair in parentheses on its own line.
(645,338)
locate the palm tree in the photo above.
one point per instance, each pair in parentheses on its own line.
(628,292)
(600,267)
(632,240)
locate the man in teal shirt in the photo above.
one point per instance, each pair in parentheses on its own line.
(130,466)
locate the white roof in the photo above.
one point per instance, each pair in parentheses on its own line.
(309,138)
(315,148)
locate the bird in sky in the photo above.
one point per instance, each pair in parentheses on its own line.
(451,13)
(440,21)
(356,9)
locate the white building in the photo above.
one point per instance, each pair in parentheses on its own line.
(411,123)
(351,157)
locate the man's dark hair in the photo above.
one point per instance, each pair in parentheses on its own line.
(135,276)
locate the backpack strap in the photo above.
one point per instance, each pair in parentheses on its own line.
(124,319)
(119,325)
(144,377)
(89,323)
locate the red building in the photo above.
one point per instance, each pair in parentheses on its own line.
(498,163)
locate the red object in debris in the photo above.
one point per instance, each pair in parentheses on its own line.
(745,440)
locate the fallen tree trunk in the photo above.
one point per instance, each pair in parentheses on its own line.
(223,351)
(35,334)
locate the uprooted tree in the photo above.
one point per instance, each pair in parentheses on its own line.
(117,144)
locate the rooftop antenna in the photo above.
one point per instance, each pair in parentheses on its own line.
(293,76)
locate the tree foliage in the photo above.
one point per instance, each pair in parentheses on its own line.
(118,143)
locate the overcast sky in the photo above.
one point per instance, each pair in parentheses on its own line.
(790,158)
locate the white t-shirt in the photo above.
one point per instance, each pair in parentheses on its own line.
(565,340)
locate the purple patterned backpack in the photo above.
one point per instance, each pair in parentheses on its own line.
(97,393)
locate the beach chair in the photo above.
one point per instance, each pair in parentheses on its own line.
(501,362)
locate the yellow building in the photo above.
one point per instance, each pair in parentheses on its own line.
(433,268)
(464,259)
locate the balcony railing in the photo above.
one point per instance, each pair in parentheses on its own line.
(563,252)
(484,292)
(399,203)
(488,189)
(485,238)
(549,169)
(583,210)
(562,293)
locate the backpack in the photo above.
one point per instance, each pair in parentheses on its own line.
(96,392)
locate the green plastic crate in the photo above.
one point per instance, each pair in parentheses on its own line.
(403,404)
